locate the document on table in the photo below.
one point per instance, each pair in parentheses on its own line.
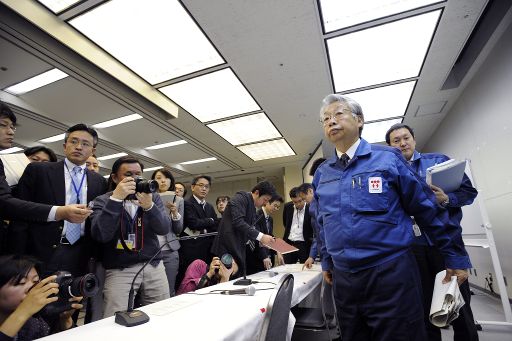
(446,301)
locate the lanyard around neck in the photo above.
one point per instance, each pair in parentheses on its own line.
(79,189)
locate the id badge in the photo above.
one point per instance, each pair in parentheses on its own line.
(416,229)
(130,242)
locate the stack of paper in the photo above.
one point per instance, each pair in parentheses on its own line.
(446,301)
(447,175)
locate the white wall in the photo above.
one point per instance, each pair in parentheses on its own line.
(479,127)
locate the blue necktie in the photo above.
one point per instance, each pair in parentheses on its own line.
(73,231)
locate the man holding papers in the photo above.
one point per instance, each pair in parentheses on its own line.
(366,195)
(428,257)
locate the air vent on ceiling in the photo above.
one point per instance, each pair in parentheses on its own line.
(430,109)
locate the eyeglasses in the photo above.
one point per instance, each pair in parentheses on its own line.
(7,126)
(326,118)
(76,142)
(205,186)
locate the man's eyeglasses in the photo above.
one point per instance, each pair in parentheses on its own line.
(76,142)
(326,118)
(7,126)
(205,186)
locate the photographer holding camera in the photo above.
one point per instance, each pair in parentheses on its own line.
(23,295)
(126,221)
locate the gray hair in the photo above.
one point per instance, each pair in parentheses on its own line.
(355,108)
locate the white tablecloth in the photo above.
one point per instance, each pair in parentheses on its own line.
(203,315)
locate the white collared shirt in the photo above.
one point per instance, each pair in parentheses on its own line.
(297,224)
(351,151)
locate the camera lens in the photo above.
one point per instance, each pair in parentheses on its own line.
(227,260)
(145,186)
(86,286)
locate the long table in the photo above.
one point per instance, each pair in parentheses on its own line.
(205,314)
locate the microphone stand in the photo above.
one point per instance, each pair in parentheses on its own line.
(131,317)
(245,280)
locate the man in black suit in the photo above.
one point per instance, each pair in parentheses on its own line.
(236,227)
(297,228)
(259,258)
(14,208)
(60,246)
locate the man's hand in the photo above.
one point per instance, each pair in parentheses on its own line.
(267,240)
(308,263)
(145,200)
(75,213)
(267,263)
(462,275)
(124,188)
(280,259)
(440,194)
(327,276)
(66,321)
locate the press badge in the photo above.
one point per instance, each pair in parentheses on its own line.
(130,242)
(416,229)
(375,184)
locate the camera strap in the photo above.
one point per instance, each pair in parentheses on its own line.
(136,229)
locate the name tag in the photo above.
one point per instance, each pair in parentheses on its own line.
(130,243)
(375,184)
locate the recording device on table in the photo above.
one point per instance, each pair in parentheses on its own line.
(85,286)
(143,186)
(131,317)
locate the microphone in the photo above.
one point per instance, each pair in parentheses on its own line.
(131,317)
(250,291)
(245,280)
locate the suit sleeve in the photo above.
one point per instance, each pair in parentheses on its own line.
(177,225)
(239,206)
(157,218)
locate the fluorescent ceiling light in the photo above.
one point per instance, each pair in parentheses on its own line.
(198,161)
(106,176)
(165,145)
(381,54)
(376,132)
(212,96)
(168,42)
(118,121)
(152,168)
(246,129)
(36,82)
(338,14)
(11,150)
(384,102)
(58,5)
(111,156)
(54,138)
(267,150)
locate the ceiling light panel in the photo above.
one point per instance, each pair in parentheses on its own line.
(246,129)
(36,82)
(267,150)
(11,150)
(340,14)
(57,6)
(111,156)
(53,138)
(381,54)
(166,145)
(156,39)
(117,121)
(152,168)
(376,132)
(384,102)
(213,96)
(198,161)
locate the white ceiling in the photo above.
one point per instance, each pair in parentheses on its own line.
(276,49)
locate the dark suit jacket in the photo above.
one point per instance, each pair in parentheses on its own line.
(307,230)
(43,182)
(261,225)
(14,208)
(236,227)
(198,219)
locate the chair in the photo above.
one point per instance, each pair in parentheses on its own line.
(317,323)
(275,323)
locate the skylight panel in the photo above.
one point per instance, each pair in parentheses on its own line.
(57,6)
(152,168)
(267,150)
(381,54)
(198,161)
(117,121)
(246,129)
(384,102)
(11,150)
(338,14)
(376,132)
(166,145)
(36,82)
(111,156)
(53,138)
(213,96)
(157,39)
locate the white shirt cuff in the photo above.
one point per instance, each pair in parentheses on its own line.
(53,212)
(150,207)
(117,200)
(178,217)
(260,235)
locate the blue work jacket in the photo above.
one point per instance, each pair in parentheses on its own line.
(463,196)
(364,211)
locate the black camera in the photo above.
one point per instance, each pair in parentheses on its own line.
(143,186)
(86,286)
(227,260)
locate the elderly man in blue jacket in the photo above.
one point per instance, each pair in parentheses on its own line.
(366,195)
(428,257)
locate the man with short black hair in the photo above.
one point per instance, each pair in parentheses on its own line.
(297,228)
(236,227)
(221,203)
(127,229)
(200,216)
(60,246)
